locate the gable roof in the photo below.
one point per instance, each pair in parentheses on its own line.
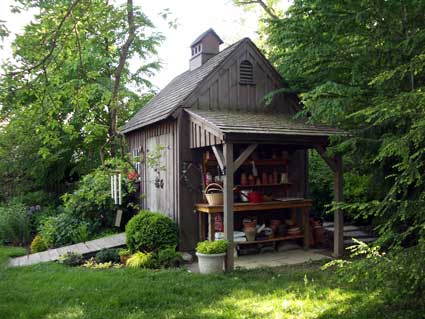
(171,97)
(210,30)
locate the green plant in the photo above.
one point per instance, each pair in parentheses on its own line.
(396,272)
(38,244)
(15,226)
(71,259)
(93,264)
(169,257)
(212,247)
(107,255)
(141,260)
(91,201)
(148,231)
(124,252)
(63,229)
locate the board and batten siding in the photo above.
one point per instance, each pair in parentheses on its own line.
(222,89)
(164,200)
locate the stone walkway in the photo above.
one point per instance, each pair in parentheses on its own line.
(86,249)
(275,259)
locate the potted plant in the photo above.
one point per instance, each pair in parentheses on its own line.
(211,255)
(124,255)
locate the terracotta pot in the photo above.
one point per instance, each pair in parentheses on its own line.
(123,259)
(250,233)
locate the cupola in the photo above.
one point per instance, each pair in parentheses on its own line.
(204,48)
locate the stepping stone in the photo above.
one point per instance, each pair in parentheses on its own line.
(346,228)
(356,234)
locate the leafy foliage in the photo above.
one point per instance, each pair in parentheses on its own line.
(15,224)
(107,255)
(38,244)
(91,201)
(62,87)
(212,247)
(63,229)
(151,232)
(169,257)
(141,260)
(71,259)
(124,252)
(397,273)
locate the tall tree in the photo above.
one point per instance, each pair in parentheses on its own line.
(71,85)
(359,65)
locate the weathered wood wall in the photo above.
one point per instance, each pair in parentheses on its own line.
(159,199)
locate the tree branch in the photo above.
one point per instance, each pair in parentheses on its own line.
(118,71)
(266,8)
(53,43)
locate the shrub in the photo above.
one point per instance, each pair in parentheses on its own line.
(141,260)
(212,247)
(15,224)
(107,255)
(169,258)
(63,229)
(151,232)
(91,201)
(397,274)
(38,244)
(71,259)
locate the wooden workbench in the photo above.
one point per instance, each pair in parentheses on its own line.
(302,204)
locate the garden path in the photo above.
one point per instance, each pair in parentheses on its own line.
(86,249)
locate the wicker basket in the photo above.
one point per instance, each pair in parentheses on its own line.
(214,194)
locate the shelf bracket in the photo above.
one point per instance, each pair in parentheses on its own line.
(244,155)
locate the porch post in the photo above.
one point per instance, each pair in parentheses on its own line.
(338,216)
(228,203)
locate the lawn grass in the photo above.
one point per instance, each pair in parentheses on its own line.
(56,291)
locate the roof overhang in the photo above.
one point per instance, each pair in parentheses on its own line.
(262,128)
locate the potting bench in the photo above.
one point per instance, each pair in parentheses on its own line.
(294,204)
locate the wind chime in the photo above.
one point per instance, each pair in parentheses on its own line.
(116,195)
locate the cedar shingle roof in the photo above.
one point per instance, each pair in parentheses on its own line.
(198,39)
(172,96)
(260,123)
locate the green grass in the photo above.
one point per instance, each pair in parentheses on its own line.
(56,291)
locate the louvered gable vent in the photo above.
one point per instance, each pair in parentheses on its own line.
(246,73)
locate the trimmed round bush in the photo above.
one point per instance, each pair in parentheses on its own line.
(150,232)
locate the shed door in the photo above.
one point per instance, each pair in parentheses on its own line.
(161,199)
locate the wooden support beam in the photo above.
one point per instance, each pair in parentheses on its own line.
(219,156)
(338,216)
(244,155)
(228,204)
(330,161)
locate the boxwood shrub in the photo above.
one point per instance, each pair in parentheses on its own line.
(151,232)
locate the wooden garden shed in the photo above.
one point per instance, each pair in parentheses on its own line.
(213,121)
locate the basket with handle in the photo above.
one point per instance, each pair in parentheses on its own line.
(214,194)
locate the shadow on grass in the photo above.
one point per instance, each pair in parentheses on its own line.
(55,291)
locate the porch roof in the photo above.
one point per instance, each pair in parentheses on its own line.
(227,124)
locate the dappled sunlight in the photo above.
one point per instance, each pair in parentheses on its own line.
(281,303)
(74,312)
